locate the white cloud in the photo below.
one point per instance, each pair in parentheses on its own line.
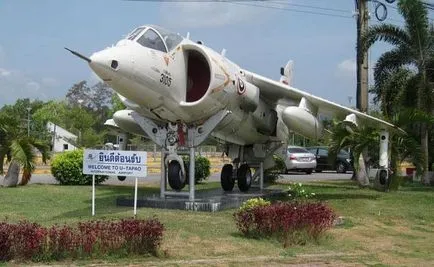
(21,85)
(4,72)
(33,86)
(347,67)
(207,14)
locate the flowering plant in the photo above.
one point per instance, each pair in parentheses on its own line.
(296,190)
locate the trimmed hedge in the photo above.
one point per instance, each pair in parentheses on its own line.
(67,168)
(30,241)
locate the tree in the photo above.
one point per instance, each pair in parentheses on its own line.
(19,148)
(79,95)
(359,140)
(412,49)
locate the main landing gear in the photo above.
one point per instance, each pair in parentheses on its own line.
(243,175)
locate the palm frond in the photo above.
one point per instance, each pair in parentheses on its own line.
(384,32)
(391,61)
(389,90)
(415,15)
(22,152)
(43,147)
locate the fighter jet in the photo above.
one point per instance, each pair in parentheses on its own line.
(180,92)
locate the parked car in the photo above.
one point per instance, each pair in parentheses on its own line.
(341,164)
(299,159)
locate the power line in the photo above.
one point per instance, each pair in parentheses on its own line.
(310,6)
(262,4)
(292,10)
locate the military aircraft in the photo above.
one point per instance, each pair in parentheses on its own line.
(180,92)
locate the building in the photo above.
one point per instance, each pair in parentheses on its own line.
(62,140)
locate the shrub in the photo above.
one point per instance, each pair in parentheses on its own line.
(21,241)
(67,168)
(253,203)
(272,174)
(297,191)
(294,223)
(201,168)
(29,241)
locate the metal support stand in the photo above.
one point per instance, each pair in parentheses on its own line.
(261,177)
(163,175)
(166,136)
(191,175)
(258,175)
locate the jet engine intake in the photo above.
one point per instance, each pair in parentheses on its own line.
(248,95)
(302,122)
(198,75)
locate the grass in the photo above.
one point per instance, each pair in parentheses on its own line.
(379,228)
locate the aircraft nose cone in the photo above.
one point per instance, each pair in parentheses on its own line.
(103,64)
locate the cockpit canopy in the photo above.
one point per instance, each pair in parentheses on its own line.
(155,37)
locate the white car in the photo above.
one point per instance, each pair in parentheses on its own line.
(300,159)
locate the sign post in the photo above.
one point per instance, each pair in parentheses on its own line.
(93,195)
(135,197)
(115,162)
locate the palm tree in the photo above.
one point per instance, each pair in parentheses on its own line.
(359,140)
(19,149)
(393,91)
(412,49)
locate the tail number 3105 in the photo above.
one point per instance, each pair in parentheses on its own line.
(166,79)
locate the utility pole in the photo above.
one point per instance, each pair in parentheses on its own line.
(362,57)
(28,120)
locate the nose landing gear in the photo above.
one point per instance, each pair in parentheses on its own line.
(171,135)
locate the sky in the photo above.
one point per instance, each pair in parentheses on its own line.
(34,64)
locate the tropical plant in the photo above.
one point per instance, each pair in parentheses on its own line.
(364,143)
(411,57)
(359,140)
(18,148)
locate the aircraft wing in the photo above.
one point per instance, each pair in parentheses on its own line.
(275,91)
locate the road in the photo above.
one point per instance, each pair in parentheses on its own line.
(155,178)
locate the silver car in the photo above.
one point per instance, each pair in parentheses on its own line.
(300,159)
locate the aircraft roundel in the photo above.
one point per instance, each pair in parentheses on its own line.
(241,88)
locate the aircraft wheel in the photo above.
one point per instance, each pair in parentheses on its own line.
(318,170)
(174,175)
(309,172)
(244,176)
(226,178)
(122,178)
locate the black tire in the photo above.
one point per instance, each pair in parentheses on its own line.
(318,170)
(122,178)
(226,179)
(244,177)
(174,175)
(340,167)
(309,171)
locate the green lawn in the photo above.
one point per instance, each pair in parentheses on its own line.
(380,228)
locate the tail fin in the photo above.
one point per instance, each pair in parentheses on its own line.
(286,73)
